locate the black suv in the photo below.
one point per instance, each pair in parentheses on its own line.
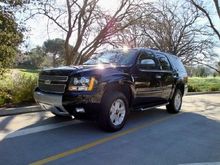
(112,83)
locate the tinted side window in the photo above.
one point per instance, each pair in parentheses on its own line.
(164,63)
(177,64)
(147,60)
(180,66)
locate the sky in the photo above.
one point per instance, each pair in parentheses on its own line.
(38,31)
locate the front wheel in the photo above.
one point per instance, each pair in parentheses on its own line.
(175,103)
(114,112)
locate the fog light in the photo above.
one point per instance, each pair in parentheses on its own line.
(80,110)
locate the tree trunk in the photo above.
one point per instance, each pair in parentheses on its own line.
(68,59)
(54,60)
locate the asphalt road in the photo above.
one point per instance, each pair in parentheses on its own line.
(149,137)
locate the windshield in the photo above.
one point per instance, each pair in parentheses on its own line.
(117,57)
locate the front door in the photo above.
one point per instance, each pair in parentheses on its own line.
(147,79)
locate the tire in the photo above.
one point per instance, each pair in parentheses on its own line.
(114,112)
(175,103)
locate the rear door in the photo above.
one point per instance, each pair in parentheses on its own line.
(166,75)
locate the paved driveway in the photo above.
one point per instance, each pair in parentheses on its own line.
(150,137)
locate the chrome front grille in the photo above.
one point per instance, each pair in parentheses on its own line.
(52,83)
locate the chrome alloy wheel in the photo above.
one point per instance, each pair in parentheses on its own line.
(177,101)
(117,112)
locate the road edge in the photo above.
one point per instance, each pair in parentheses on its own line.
(20,110)
(37,108)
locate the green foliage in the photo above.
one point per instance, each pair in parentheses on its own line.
(214,88)
(23,88)
(215,74)
(56,48)
(37,57)
(198,71)
(193,89)
(50,54)
(201,72)
(5,88)
(197,84)
(17,87)
(10,37)
(5,95)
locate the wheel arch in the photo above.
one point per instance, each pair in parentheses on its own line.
(122,87)
(181,87)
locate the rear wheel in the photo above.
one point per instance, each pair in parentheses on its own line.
(175,103)
(114,112)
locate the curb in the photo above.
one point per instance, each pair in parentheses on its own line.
(37,108)
(20,110)
(202,93)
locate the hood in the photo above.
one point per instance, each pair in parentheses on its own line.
(82,69)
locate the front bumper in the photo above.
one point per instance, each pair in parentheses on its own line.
(71,103)
(51,102)
(90,102)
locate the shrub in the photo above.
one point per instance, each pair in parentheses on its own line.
(5,92)
(22,88)
(5,96)
(1,100)
(213,89)
(193,89)
(17,87)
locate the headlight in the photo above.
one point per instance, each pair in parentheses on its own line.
(82,84)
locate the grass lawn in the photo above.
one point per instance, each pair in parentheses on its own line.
(200,84)
(26,72)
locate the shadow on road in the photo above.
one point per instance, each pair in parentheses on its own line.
(91,127)
(4,123)
(193,131)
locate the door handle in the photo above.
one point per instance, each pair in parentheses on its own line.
(158,76)
(175,75)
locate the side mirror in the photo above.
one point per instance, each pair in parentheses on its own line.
(147,64)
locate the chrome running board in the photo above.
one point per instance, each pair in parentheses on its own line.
(144,109)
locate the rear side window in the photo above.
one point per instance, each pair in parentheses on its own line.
(180,66)
(177,64)
(164,63)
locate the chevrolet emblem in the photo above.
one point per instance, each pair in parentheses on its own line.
(47,82)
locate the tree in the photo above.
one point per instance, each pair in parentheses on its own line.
(37,57)
(86,25)
(56,48)
(211,66)
(170,27)
(132,35)
(200,5)
(216,6)
(201,71)
(10,34)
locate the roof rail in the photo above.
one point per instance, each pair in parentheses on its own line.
(155,49)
